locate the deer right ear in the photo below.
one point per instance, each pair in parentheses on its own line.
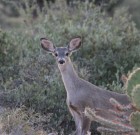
(74,44)
(47,45)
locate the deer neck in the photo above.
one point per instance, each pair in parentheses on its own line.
(69,77)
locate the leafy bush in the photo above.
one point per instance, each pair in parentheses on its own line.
(30,77)
(110,43)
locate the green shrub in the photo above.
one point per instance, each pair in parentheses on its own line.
(30,76)
(8,57)
(110,44)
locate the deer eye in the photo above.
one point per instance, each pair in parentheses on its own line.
(56,54)
(67,54)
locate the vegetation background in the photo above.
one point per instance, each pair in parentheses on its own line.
(32,95)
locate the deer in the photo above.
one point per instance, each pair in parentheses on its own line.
(80,93)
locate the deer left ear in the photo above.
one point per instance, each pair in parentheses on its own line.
(47,45)
(74,44)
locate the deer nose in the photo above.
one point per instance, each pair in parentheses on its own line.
(61,61)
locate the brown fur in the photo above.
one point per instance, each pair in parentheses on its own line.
(81,93)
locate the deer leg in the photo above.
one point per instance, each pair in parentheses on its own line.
(82,123)
(85,125)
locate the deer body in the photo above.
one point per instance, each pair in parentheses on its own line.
(80,93)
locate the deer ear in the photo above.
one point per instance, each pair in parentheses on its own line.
(47,45)
(75,43)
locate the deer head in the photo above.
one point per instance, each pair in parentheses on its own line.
(61,53)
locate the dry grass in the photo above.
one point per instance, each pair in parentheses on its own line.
(20,121)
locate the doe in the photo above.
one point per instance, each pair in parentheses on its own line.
(80,93)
